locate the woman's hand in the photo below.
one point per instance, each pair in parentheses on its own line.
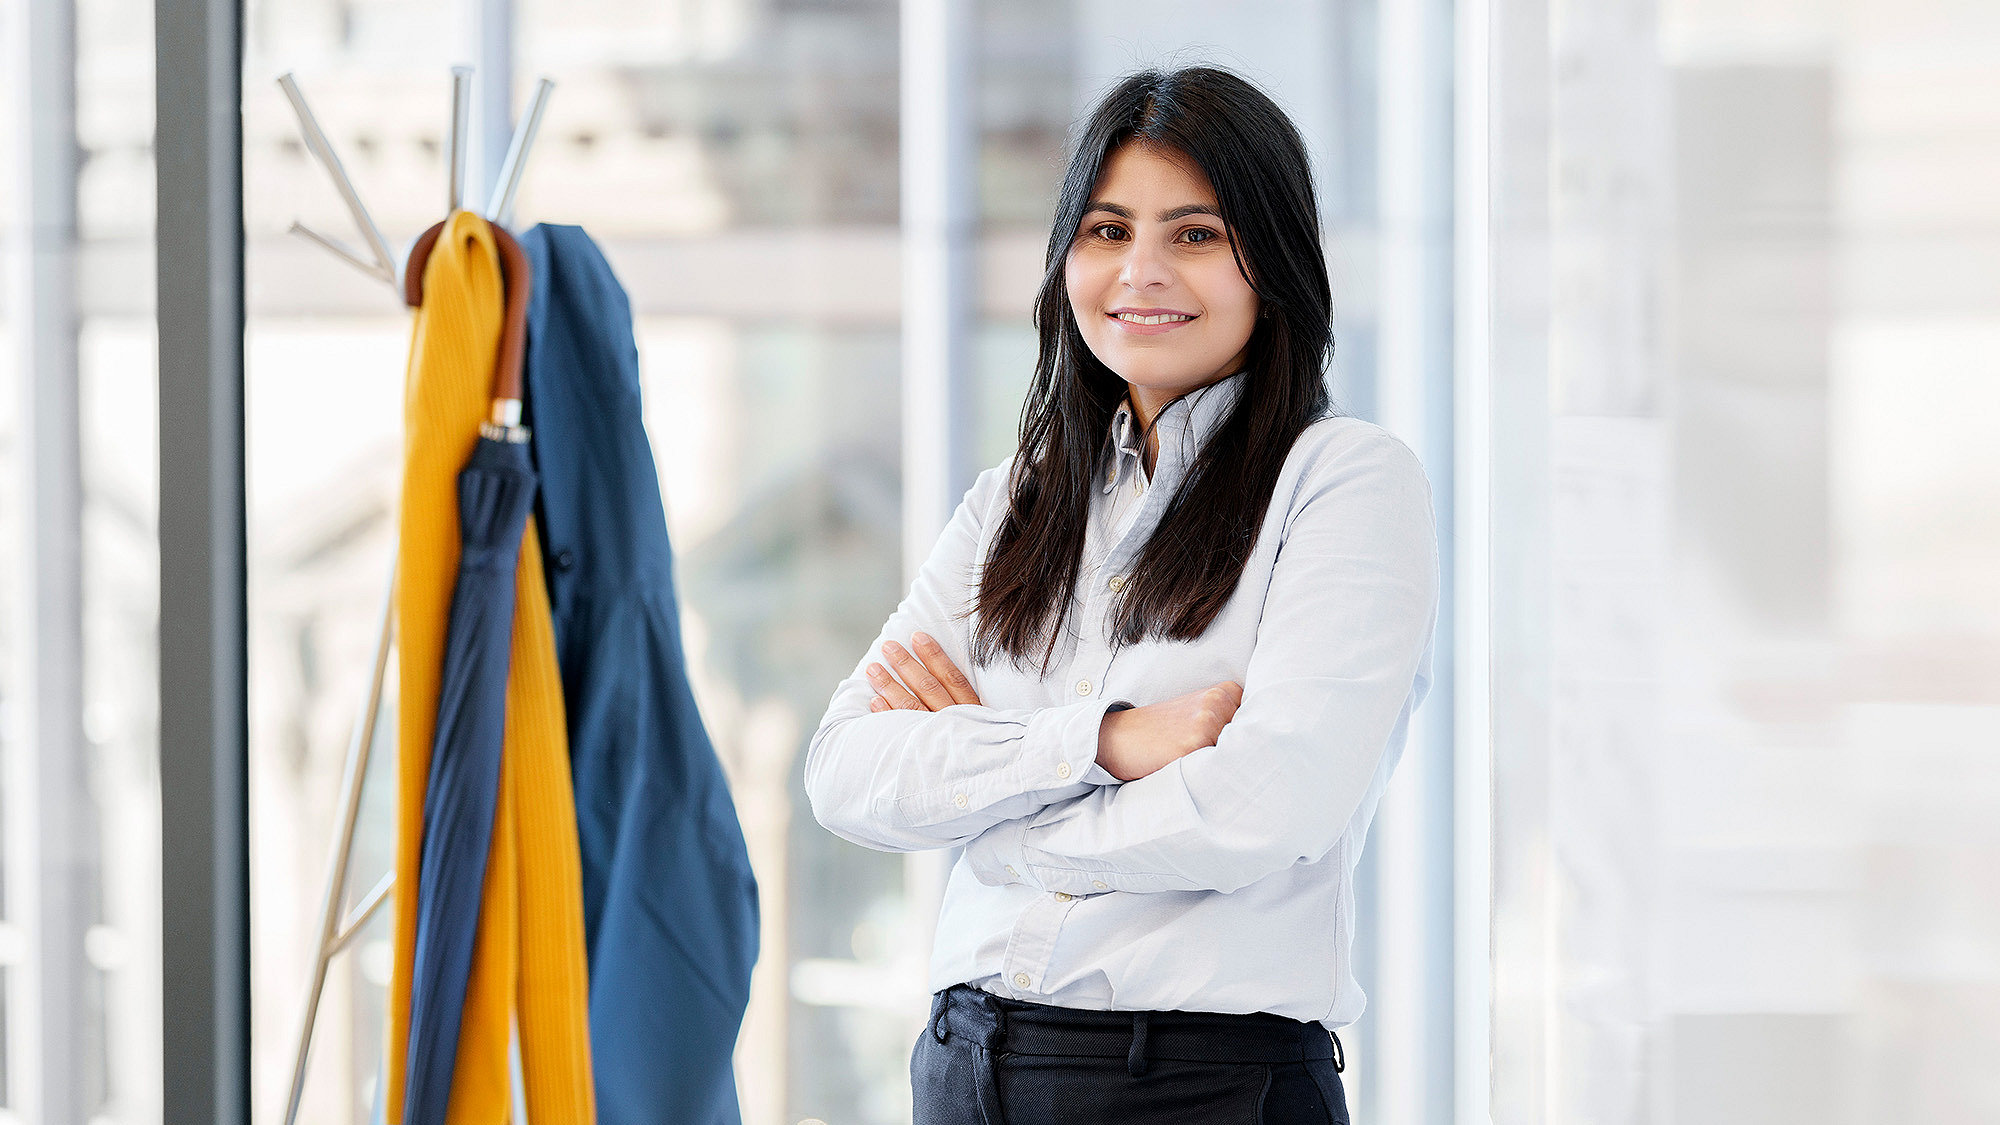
(1139,740)
(935,683)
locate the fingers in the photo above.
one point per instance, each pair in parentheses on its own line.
(1230,691)
(893,694)
(919,679)
(923,676)
(933,681)
(947,673)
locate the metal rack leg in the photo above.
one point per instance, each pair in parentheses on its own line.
(336,930)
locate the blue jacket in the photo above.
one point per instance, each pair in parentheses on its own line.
(670,904)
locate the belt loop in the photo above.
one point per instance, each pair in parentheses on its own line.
(996,1037)
(1135,1060)
(939,1030)
(1339,1056)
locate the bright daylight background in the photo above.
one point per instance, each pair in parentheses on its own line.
(1692,308)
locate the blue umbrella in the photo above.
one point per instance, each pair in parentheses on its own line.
(495,492)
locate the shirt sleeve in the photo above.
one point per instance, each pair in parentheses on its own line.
(1341,660)
(910,780)
(1096,774)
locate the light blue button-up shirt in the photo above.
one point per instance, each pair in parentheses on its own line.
(1223,882)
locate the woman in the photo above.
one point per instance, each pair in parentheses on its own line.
(1216,599)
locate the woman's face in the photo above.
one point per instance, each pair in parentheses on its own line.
(1151,278)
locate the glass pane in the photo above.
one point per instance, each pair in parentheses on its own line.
(1747,633)
(79,938)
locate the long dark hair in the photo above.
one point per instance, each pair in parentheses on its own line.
(1254,159)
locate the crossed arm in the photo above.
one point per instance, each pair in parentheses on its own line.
(908,779)
(1342,658)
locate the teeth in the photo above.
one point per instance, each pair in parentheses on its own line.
(1163,318)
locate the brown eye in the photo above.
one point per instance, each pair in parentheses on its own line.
(1107,231)
(1206,234)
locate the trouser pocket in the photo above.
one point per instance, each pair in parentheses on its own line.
(1330,1088)
(952,1080)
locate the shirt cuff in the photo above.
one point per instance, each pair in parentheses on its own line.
(1070,732)
(1064,744)
(995,854)
(998,858)
(1096,774)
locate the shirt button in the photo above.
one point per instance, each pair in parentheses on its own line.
(1010,870)
(1021,979)
(1117,583)
(1061,897)
(959,800)
(1100,884)
(1083,687)
(1062,769)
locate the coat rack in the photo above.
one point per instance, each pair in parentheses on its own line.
(337,929)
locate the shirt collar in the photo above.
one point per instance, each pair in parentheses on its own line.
(1184,426)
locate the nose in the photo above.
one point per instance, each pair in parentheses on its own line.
(1145,266)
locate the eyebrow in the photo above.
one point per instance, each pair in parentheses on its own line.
(1180,212)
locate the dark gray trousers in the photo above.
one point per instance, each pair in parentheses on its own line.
(989,1060)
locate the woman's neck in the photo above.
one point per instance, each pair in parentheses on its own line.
(1146,405)
(1143,413)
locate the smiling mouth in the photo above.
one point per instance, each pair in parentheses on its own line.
(1162,318)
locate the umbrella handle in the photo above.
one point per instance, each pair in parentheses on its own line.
(518,279)
(413,268)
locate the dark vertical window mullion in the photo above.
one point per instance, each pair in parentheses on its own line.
(198,149)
